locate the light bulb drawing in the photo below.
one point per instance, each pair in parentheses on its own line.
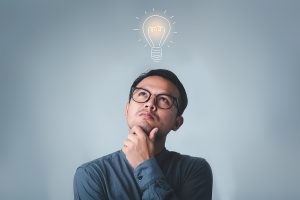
(156,29)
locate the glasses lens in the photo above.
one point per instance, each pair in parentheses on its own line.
(164,101)
(140,95)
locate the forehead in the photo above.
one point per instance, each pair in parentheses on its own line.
(157,84)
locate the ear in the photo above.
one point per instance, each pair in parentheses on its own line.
(178,123)
(126,109)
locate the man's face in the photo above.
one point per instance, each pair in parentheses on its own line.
(147,115)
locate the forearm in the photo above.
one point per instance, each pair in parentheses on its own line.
(196,182)
(152,181)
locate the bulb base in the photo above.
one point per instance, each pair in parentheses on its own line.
(156,54)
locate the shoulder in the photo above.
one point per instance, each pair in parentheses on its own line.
(191,164)
(102,160)
(90,178)
(98,166)
(187,158)
(195,161)
(193,175)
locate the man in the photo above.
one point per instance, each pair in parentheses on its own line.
(144,168)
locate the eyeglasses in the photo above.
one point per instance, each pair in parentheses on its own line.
(163,101)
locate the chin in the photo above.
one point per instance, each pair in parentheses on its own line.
(144,124)
(146,127)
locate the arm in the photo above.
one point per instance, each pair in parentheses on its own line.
(87,186)
(152,182)
(196,181)
(196,177)
(139,151)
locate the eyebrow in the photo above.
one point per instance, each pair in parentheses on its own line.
(165,92)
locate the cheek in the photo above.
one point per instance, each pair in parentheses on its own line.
(132,111)
(168,121)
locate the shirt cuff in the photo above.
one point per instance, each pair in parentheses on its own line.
(147,173)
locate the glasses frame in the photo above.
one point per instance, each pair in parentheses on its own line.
(175,100)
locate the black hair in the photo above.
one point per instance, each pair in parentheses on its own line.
(166,74)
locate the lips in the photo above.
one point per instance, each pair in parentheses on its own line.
(147,115)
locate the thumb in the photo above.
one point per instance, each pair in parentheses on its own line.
(152,134)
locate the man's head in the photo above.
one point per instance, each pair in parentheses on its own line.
(157,99)
(168,75)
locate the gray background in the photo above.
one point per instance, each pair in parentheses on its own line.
(66,69)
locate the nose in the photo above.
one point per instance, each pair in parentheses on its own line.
(151,104)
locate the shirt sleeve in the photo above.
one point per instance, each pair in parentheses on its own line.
(87,186)
(197,182)
(152,182)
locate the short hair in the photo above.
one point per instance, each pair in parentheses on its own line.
(168,75)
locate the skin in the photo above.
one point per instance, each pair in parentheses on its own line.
(148,124)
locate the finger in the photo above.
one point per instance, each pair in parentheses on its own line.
(124,147)
(138,131)
(153,134)
(127,143)
(132,137)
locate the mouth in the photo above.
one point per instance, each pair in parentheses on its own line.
(147,115)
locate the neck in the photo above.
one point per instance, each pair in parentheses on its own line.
(159,145)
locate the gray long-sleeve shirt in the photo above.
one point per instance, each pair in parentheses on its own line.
(169,175)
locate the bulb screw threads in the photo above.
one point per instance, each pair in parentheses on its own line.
(156,53)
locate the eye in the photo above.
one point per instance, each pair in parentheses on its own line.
(142,93)
(164,101)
